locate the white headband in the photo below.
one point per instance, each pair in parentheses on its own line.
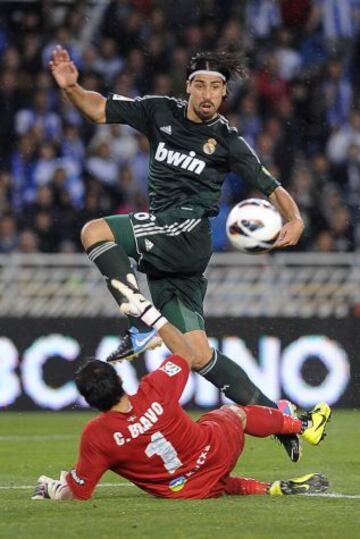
(206,72)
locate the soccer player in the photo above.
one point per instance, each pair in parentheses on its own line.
(149,439)
(192,147)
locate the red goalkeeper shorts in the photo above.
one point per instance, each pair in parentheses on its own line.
(231,434)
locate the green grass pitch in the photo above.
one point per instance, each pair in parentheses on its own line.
(32,444)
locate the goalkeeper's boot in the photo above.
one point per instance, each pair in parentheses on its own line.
(312,483)
(290,442)
(316,422)
(134,343)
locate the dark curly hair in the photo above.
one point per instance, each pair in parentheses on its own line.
(99,384)
(229,64)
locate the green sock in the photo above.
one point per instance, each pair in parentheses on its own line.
(233,381)
(112,261)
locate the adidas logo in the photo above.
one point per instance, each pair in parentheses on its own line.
(177,159)
(148,245)
(166,129)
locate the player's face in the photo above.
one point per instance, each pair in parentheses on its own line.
(206,94)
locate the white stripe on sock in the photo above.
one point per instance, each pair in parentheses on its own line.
(210,365)
(101,249)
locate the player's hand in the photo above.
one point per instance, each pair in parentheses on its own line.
(46,489)
(62,68)
(135,304)
(290,234)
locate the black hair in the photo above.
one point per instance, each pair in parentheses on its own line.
(99,384)
(229,64)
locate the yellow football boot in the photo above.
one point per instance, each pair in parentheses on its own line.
(318,419)
(312,483)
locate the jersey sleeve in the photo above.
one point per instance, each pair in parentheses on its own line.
(134,112)
(245,163)
(169,380)
(91,465)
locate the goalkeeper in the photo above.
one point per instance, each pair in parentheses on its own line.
(148,439)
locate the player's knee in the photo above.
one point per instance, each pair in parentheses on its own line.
(200,358)
(242,414)
(200,350)
(238,410)
(94,231)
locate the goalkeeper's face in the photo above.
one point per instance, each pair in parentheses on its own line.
(206,95)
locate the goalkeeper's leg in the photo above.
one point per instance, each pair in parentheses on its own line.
(262,421)
(312,483)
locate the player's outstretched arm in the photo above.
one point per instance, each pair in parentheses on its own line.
(136,305)
(294,226)
(90,104)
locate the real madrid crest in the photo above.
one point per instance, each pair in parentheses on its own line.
(210,146)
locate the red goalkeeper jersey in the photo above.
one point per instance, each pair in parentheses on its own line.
(156,445)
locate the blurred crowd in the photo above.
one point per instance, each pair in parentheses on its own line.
(299,108)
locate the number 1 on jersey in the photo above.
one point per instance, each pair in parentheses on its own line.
(160,446)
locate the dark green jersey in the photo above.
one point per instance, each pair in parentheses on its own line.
(188,160)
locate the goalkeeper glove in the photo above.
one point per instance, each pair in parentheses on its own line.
(50,489)
(136,305)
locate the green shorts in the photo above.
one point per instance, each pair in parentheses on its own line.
(173,253)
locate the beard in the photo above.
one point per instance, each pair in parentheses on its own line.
(206,110)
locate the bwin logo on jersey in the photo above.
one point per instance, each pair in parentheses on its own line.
(177,159)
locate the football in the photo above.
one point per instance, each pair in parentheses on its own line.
(253,226)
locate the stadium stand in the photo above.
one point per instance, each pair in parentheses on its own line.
(299,108)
